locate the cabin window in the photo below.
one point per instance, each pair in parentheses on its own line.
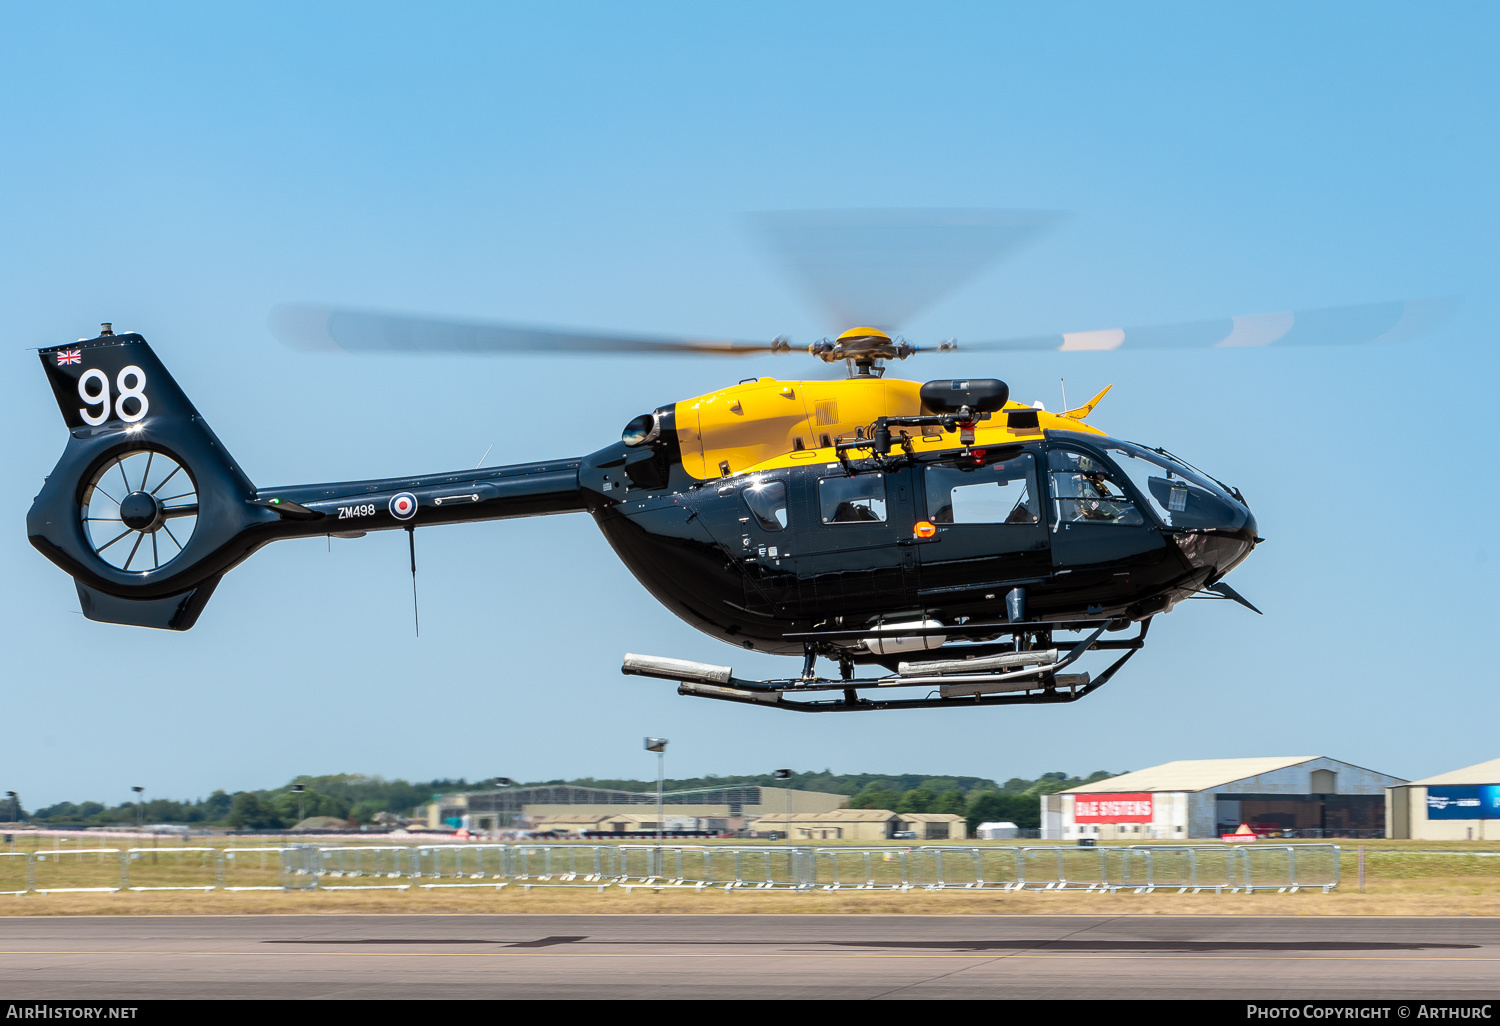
(767,500)
(852,500)
(999,493)
(1086,492)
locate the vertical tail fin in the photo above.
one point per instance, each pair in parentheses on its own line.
(113,381)
(146,509)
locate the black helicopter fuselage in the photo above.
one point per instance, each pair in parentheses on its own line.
(763,583)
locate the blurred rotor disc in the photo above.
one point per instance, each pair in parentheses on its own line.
(366,331)
(883,267)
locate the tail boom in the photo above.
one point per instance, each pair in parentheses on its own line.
(495,493)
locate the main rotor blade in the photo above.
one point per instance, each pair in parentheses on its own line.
(364,331)
(883,267)
(1364,324)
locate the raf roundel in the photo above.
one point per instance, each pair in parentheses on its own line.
(403,506)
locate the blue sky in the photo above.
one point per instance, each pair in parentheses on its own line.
(179,169)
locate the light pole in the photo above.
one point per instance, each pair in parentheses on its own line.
(503,782)
(659,746)
(299,790)
(14,801)
(786,774)
(140,808)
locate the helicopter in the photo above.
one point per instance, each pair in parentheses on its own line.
(973,548)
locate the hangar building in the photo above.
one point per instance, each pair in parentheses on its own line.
(1461,805)
(522,806)
(863,825)
(1302,796)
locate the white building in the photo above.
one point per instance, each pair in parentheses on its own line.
(1303,796)
(997,831)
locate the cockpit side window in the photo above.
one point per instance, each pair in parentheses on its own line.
(1084,491)
(852,500)
(997,493)
(767,502)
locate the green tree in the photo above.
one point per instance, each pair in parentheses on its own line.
(313,803)
(993,807)
(344,794)
(364,812)
(918,799)
(1050,783)
(875,797)
(58,812)
(951,801)
(251,812)
(216,807)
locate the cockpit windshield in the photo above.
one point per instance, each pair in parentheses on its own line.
(1183,498)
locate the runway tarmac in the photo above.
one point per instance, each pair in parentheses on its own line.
(764,957)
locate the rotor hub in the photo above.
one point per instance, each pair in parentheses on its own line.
(865,348)
(140,511)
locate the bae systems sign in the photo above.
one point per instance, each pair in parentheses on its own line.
(1112,808)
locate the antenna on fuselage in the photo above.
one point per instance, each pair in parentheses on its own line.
(411,541)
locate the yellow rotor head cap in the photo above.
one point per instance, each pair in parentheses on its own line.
(864,333)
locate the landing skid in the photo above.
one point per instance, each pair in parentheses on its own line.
(1019,677)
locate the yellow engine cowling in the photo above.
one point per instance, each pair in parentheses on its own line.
(768,423)
(748,424)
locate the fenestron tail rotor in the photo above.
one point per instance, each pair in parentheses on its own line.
(139,510)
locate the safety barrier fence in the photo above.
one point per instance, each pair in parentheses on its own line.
(267,869)
(1138,869)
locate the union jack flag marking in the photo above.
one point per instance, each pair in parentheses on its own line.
(67,356)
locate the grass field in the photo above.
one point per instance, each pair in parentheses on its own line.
(1434,896)
(1401,878)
